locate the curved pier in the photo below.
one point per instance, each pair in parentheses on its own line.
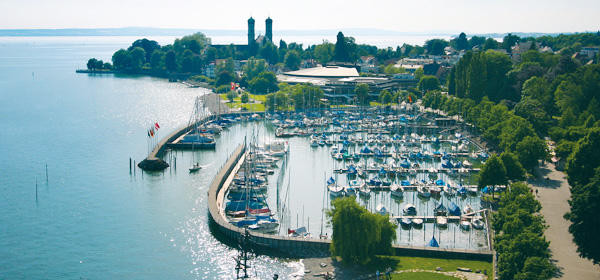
(154,162)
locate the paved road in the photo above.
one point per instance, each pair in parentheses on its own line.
(553,195)
(214,103)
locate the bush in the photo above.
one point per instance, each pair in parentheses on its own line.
(223,89)
(245,97)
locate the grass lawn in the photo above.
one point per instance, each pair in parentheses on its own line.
(381,263)
(258,97)
(421,276)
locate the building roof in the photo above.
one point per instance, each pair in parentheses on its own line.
(301,80)
(325,72)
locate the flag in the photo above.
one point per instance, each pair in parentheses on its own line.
(148,132)
(409,99)
(156,125)
(152,132)
(232,85)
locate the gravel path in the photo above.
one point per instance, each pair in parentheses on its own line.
(553,194)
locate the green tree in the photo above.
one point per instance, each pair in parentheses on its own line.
(584,159)
(509,41)
(170,62)
(269,52)
(436,46)
(385,97)
(324,52)
(231,95)
(121,60)
(530,150)
(245,98)
(345,49)
(490,44)
(419,73)
(157,60)
(585,221)
(254,67)
(292,60)
(569,96)
(533,111)
(461,42)
(149,47)
(428,83)
(264,83)
(91,64)
(493,172)
(358,234)
(536,268)
(497,66)
(361,92)
(138,58)
(514,169)
(340,52)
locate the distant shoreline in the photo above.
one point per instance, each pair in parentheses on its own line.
(143,31)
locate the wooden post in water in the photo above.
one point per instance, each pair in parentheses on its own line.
(134,167)
(46,173)
(36,191)
(130,165)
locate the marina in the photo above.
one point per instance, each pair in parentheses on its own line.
(276,192)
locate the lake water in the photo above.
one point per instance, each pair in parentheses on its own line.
(93,219)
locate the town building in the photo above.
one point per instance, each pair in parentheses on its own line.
(254,42)
(338,82)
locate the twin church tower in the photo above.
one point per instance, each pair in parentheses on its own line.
(260,40)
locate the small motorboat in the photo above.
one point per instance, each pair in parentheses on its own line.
(441,221)
(364,191)
(478,223)
(405,222)
(410,209)
(465,224)
(417,222)
(350,191)
(314,143)
(396,191)
(435,190)
(335,190)
(423,192)
(195,167)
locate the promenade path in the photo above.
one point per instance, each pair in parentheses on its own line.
(214,103)
(553,194)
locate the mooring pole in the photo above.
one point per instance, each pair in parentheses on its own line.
(130,165)
(46,173)
(36,190)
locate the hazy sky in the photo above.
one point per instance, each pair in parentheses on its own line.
(471,16)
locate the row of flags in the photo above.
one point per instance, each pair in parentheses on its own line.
(152,131)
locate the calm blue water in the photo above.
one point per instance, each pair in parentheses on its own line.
(93,219)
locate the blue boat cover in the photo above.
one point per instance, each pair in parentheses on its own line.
(330,181)
(453,209)
(433,243)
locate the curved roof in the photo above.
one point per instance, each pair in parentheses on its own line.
(325,72)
